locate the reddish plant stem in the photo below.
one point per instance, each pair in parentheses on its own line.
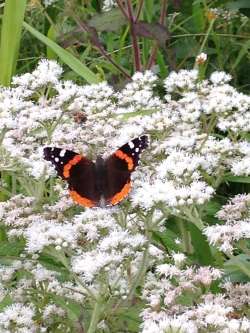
(101,49)
(137,55)
(120,4)
(139,10)
(163,14)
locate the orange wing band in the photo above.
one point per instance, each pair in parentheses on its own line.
(81,200)
(125,157)
(68,166)
(122,194)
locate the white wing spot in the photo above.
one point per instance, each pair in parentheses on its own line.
(52,156)
(137,150)
(133,154)
(52,149)
(56,159)
(61,162)
(62,152)
(131,144)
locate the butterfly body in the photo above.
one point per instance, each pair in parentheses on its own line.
(105,182)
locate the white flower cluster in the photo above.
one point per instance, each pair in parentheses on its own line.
(108,5)
(112,248)
(115,246)
(17,214)
(236,214)
(167,192)
(162,292)
(166,312)
(225,15)
(17,318)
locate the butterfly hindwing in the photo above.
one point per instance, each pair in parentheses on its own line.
(82,184)
(78,171)
(119,167)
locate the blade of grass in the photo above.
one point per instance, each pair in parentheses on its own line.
(244,50)
(10,38)
(68,58)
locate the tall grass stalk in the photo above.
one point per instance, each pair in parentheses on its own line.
(10,38)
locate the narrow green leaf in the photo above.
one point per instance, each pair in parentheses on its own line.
(161,62)
(244,50)
(128,115)
(52,36)
(65,56)
(10,38)
(198,15)
(237,179)
(201,247)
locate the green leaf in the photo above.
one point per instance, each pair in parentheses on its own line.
(212,207)
(209,210)
(50,263)
(237,179)
(52,34)
(161,62)
(235,276)
(11,249)
(243,52)
(240,263)
(187,298)
(73,309)
(167,239)
(234,5)
(129,317)
(198,15)
(10,38)
(200,244)
(128,115)
(3,234)
(65,56)
(108,21)
(154,31)
(5,302)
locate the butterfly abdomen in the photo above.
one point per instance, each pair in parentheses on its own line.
(101,181)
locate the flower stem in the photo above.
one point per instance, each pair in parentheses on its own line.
(95,317)
(205,39)
(140,273)
(137,280)
(163,15)
(185,236)
(137,56)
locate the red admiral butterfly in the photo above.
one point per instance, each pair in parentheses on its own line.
(105,181)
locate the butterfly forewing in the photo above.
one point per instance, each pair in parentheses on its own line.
(59,158)
(78,171)
(119,167)
(132,150)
